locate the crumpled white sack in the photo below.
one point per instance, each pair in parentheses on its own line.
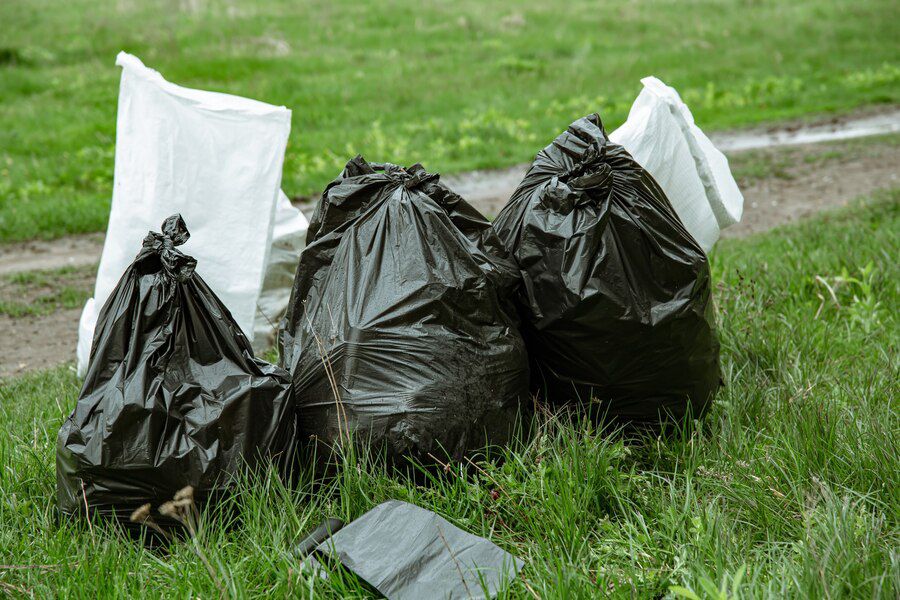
(288,241)
(661,135)
(214,158)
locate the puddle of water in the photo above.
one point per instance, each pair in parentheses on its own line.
(486,185)
(830,132)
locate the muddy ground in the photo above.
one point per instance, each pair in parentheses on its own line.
(43,284)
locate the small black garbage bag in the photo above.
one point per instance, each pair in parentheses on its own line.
(173,394)
(399,330)
(615,300)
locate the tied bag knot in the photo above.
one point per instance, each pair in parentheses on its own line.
(410,178)
(592,161)
(586,182)
(174,233)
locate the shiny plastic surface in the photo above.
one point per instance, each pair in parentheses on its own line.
(400,329)
(173,394)
(410,553)
(615,300)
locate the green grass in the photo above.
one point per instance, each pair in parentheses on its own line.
(789,488)
(34,293)
(456,85)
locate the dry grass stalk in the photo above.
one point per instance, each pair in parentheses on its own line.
(455,562)
(87,512)
(12,589)
(343,428)
(183,509)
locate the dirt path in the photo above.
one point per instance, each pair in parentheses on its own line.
(781,184)
(38,255)
(32,343)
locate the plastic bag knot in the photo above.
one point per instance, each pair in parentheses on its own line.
(174,233)
(585,183)
(410,178)
(593,159)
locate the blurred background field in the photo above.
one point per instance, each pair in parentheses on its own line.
(455,85)
(789,488)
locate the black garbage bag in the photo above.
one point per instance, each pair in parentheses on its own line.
(615,301)
(399,329)
(173,394)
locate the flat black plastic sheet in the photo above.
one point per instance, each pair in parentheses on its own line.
(173,394)
(409,553)
(616,300)
(400,328)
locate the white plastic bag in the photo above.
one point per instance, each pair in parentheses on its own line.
(661,135)
(212,157)
(288,241)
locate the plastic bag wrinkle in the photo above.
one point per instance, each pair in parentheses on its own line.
(615,298)
(403,287)
(173,395)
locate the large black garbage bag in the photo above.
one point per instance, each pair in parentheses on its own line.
(399,330)
(615,300)
(173,395)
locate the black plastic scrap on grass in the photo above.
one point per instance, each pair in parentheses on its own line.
(407,553)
